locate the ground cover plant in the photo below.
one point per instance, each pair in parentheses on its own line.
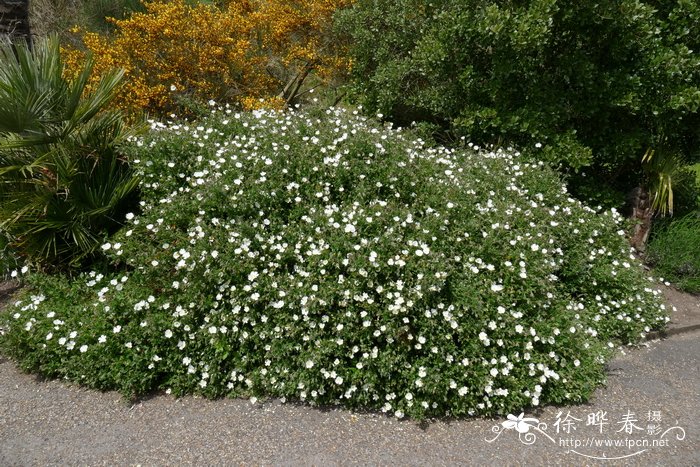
(326,258)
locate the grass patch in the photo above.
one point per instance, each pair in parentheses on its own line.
(674,251)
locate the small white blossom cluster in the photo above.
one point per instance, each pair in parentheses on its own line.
(327,259)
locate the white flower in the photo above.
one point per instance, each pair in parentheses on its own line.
(83,348)
(168,333)
(338,380)
(106,246)
(212,329)
(253,275)
(349,228)
(496,287)
(173,88)
(102,339)
(309,364)
(116,329)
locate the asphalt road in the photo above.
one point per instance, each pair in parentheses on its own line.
(654,388)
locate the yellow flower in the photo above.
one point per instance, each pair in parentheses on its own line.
(211,53)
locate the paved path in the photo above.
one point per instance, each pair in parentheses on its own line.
(50,422)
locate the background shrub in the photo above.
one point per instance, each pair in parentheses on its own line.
(244,53)
(674,251)
(596,83)
(324,258)
(58,16)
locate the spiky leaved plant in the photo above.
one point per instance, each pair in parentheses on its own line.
(63,183)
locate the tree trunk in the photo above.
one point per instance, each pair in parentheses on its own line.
(641,215)
(14,20)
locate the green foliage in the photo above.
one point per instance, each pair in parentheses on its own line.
(696,169)
(63,183)
(8,259)
(96,12)
(324,258)
(674,252)
(596,83)
(686,192)
(59,16)
(662,170)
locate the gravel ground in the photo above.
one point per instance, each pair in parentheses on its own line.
(52,422)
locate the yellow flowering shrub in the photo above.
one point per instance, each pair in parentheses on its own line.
(250,52)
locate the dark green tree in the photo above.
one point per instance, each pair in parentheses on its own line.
(597,84)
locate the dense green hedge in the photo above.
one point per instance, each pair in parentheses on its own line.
(325,258)
(593,82)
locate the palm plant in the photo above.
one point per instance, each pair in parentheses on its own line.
(63,183)
(662,168)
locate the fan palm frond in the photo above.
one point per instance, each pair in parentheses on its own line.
(64,185)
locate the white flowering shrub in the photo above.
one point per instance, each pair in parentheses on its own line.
(324,258)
